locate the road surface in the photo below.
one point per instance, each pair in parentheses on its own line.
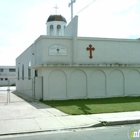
(120,132)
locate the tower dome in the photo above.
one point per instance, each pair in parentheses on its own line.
(56,18)
(56,25)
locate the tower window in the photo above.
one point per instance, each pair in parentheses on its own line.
(51,27)
(58,27)
(51,30)
(58,30)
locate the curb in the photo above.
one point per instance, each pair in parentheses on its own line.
(51,130)
(101,124)
(123,122)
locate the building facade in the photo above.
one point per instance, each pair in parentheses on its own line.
(7,75)
(72,67)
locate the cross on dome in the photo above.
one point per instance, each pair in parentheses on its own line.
(56,9)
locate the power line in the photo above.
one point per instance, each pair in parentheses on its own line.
(86,6)
(83,8)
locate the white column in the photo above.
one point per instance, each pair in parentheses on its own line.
(62,30)
(55,30)
(47,30)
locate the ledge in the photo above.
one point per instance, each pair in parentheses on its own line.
(86,65)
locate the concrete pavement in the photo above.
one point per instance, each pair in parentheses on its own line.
(20,116)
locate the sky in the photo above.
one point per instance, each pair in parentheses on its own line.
(23,21)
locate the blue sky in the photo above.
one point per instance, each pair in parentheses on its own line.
(22,21)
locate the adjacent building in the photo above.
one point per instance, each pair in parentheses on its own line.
(7,75)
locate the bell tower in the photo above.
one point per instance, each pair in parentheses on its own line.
(55,25)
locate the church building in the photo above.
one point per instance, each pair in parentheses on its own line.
(62,66)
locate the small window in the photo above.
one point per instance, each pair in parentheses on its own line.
(29,64)
(58,27)
(36,73)
(6,79)
(51,27)
(18,73)
(1,79)
(58,30)
(22,72)
(29,73)
(1,70)
(12,70)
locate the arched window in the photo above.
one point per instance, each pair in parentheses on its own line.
(58,30)
(58,27)
(51,29)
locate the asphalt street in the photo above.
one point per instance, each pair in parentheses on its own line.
(120,132)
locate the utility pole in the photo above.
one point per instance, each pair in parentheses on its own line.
(71,4)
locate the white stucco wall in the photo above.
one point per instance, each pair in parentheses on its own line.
(55,59)
(72,28)
(108,51)
(90,82)
(23,82)
(113,71)
(55,31)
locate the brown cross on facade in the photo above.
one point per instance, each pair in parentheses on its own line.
(90,49)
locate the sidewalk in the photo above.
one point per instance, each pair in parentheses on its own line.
(20,116)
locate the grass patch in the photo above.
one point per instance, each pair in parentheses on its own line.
(95,106)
